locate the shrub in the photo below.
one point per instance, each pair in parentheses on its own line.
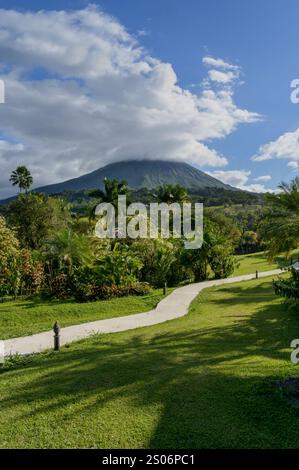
(10,275)
(118,267)
(92,292)
(158,259)
(140,288)
(288,288)
(221,262)
(35,217)
(91,283)
(58,286)
(32,273)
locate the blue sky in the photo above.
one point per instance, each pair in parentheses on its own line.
(260,37)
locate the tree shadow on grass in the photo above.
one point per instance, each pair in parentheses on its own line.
(244,293)
(213,386)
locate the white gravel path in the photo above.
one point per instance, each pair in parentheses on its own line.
(173,306)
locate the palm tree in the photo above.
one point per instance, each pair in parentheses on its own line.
(69,249)
(112,189)
(281,227)
(21,177)
(169,193)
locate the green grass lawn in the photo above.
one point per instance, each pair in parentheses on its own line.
(205,380)
(27,317)
(258,261)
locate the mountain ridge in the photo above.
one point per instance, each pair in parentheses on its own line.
(140,174)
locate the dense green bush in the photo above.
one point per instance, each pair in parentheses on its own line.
(32,273)
(10,275)
(120,266)
(214,256)
(36,217)
(161,261)
(221,262)
(113,275)
(91,292)
(288,288)
(58,287)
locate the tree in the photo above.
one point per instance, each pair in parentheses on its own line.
(9,257)
(281,226)
(288,288)
(229,227)
(249,242)
(119,267)
(216,254)
(170,193)
(69,250)
(36,216)
(32,272)
(21,177)
(158,258)
(112,189)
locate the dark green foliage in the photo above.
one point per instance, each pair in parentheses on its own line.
(250,242)
(114,274)
(9,264)
(58,286)
(161,261)
(119,266)
(35,217)
(288,288)
(221,261)
(22,177)
(91,292)
(32,274)
(112,189)
(281,226)
(169,193)
(216,254)
(225,197)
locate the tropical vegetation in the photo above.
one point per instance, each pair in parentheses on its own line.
(49,249)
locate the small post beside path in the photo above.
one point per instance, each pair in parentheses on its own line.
(165,288)
(56,329)
(256,274)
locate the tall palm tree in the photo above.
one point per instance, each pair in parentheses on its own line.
(281,227)
(21,177)
(112,189)
(170,193)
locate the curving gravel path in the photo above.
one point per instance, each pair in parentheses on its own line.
(173,306)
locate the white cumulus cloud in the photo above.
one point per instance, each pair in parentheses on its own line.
(263,178)
(239,179)
(285,147)
(294,165)
(221,77)
(219,63)
(81,92)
